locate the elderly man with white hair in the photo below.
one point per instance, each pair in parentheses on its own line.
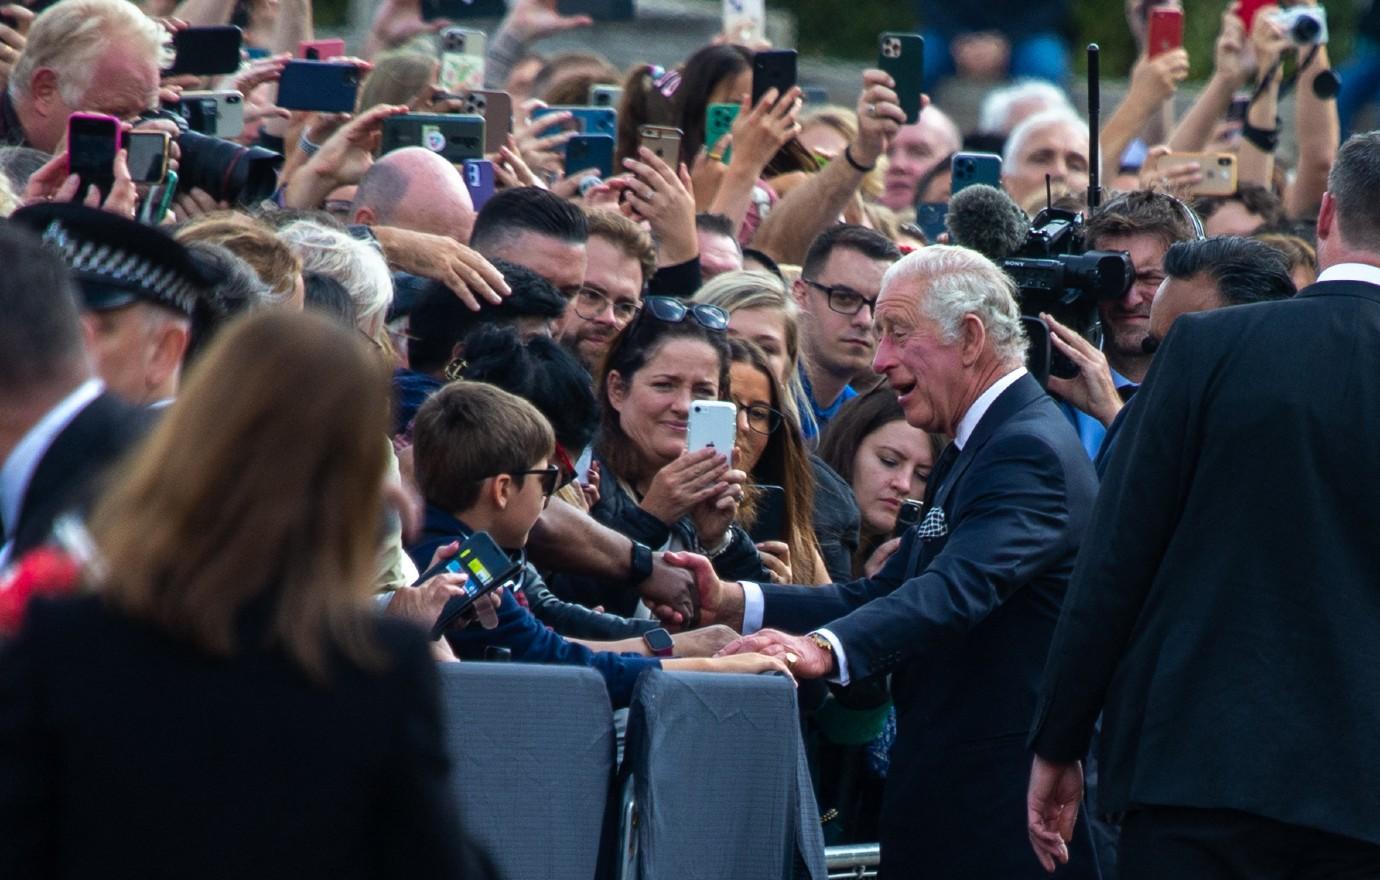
(964,610)
(1053,143)
(1007,107)
(90,56)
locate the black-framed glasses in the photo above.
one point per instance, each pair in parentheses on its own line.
(842,299)
(761,419)
(550,477)
(670,310)
(590,304)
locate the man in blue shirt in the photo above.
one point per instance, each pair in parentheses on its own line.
(837,290)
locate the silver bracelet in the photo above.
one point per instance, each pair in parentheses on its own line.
(305,145)
(723,545)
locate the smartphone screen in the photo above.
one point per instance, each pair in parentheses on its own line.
(92,142)
(148,155)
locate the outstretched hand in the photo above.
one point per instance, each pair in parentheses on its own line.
(801,655)
(1051,804)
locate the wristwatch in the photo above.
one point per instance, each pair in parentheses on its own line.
(827,647)
(659,642)
(640,565)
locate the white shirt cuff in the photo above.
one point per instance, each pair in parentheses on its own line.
(842,676)
(753,606)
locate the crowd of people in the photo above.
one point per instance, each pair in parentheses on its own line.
(995,536)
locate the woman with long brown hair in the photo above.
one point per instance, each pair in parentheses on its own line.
(225,687)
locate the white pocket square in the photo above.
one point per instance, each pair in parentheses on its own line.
(934,525)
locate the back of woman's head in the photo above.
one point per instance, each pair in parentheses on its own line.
(541,372)
(397,78)
(856,419)
(261,486)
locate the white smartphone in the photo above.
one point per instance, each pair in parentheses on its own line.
(745,21)
(462,59)
(712,423)
(225,105)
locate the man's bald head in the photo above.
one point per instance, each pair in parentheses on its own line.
(414,188)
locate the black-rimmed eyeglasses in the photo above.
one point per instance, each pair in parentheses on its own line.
(761,419)
(842,299)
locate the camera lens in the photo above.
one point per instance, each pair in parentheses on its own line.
(1306,29)
(1224,161)
(226,170)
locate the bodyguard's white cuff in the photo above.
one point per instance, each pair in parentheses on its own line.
(842,677)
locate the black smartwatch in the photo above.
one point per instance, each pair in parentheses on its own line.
(640,566)
(659,642)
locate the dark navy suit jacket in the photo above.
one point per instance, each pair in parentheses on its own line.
(965,620)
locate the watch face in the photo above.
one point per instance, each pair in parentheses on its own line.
(659,640)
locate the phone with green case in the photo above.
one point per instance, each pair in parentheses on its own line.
(718,121)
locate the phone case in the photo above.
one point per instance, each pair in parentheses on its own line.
(228,112)
(479,180)
(147,155)
(206,50)
(586,120)
(718,121)
(455,136)
(462,59)
(662,141)
(93,139)
(769,523)
(590,151)
(902,56)
(1219,171)
(497,110)
(320,50)
(486,567)
(970,168)
(773,69)
(599,10)
(1165,31)
(712,423)
(602,95)
(745,21)
(931,217)
(323,86)
(458,9)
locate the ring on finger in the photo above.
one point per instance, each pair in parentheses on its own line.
(871,109)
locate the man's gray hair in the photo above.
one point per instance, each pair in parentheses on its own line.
(69,36)
(1354,183)
(1031,124)
(956,282)
(995,115)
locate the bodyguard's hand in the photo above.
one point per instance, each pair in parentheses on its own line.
(1092,390)
(801,655)
(439,257)
(1051,805)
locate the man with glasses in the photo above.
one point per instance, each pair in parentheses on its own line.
(837,291)
(620,258)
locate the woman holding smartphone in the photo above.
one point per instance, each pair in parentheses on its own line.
(651,488)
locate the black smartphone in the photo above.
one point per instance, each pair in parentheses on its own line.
(206,50)
(321,86)
(773,69)
(930,217)
(456,9)
(907,516)
(455,136)
(487,568)
(770,522)
(599,10)
(147,155)
(590,151)
(93,139)
(1039,356)
(902,57)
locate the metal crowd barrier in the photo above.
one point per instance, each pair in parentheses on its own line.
(852,862)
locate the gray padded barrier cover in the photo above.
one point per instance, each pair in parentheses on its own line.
(720,782)
(532,748)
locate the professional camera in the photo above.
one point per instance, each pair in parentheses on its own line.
(1305,25)
(227,171)
(1055,273)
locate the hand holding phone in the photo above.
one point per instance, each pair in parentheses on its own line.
(773,69)
(713,425)
(486,568)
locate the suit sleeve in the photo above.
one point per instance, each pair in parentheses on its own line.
(798,609)
(1132,523)
(1009,525)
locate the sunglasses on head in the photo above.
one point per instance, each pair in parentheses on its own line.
(670,310)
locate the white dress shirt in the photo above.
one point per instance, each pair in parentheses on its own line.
(18,469)
(1363,272)
(753,602)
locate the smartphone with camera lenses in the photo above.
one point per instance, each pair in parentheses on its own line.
(497,109)
(462,59)
(772,69)
(218,113)
(712,424)
(319,86)
(1218,170)
(967,169)
(902,57)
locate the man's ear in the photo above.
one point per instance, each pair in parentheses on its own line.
(169,345)
(364,216)
(799,292)
(972,339)
(1327,216)
(43,92)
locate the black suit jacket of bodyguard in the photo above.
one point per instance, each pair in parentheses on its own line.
(1227,603)
(966,620)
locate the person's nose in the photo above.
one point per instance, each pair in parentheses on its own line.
(862,318)
(680,404)
(899,481)
(885,358)
(605,316)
